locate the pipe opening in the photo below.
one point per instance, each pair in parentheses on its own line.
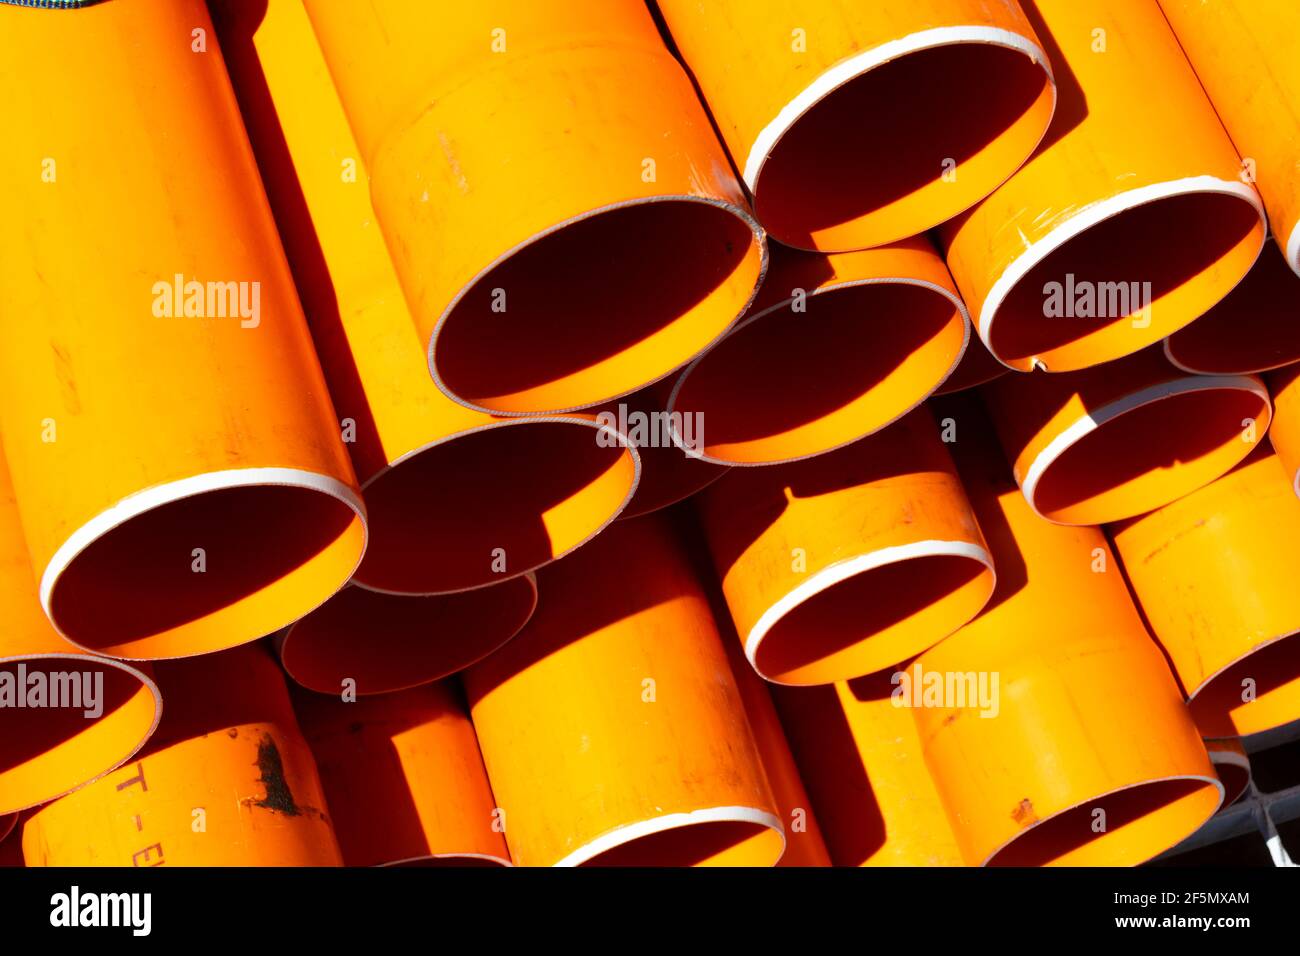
(207,572)
(49,751)
(786,385)
(1179,255)
(1149,456)
(873,619)
(710,843)
(1269,679)
(1141,822)
(865,165)
(491,504)
(388,643)
(598,308)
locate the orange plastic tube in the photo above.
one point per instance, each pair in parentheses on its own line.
(1078,748)
(538,169)
(650,759)
(1247,55)
(861,124)
(47,751)
(1284,387)
(1112,442)
(371,643)
(835,348)
(404,778)
(1255,328)
(850,562)
(228,781)
(1130,221)
(1212,573)
(1233,767)
(861,758)
(669,472)
(177,461)
(452,494)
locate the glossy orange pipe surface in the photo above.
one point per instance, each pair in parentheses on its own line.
(1111,442)
(850,562)
(456,498)
(178,465)
(835,348)
(1129,221)
(404,778)
(228,781)
(1212,573)
(1052,727)
(854,124)
(649,759)
(371,643)
(537,169)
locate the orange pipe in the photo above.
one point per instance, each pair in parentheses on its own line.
(845,564)
(537,169)
(1247,56)
(1052,727)
(1108,443)
(669,473)
(835,348)
(1232,767)
(1284,387)
(1212,572)
(404,778)
(371,643)
(452,493)
(49,751)
(1255,328)
(177,461)
(861,758)
(1131,219)
(228,781)
(957,93)
(650,760)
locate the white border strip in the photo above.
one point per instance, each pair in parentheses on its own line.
(142,502)
(846,70)
(671,821)
(1087,218)
(836,573)
(1091,421)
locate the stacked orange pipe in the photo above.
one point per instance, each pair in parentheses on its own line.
(227,781)
(847,563)
(1131,219)
(855,125)
(1212,573)
(1056,734)
(649,760)
(404,778)
(456,498)
(177,462)
(95,712)
(835,348)
(537,169)
(1247,55)
(1109,443)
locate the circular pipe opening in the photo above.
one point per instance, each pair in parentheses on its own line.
(204,566)
(1137,454)
(787,385)
(735,836)
(598,307)
(388,642)
(46,752)
(864,162)
(850,621)
(1271,675)
(491,503)
(1142,821)
(1143,267)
